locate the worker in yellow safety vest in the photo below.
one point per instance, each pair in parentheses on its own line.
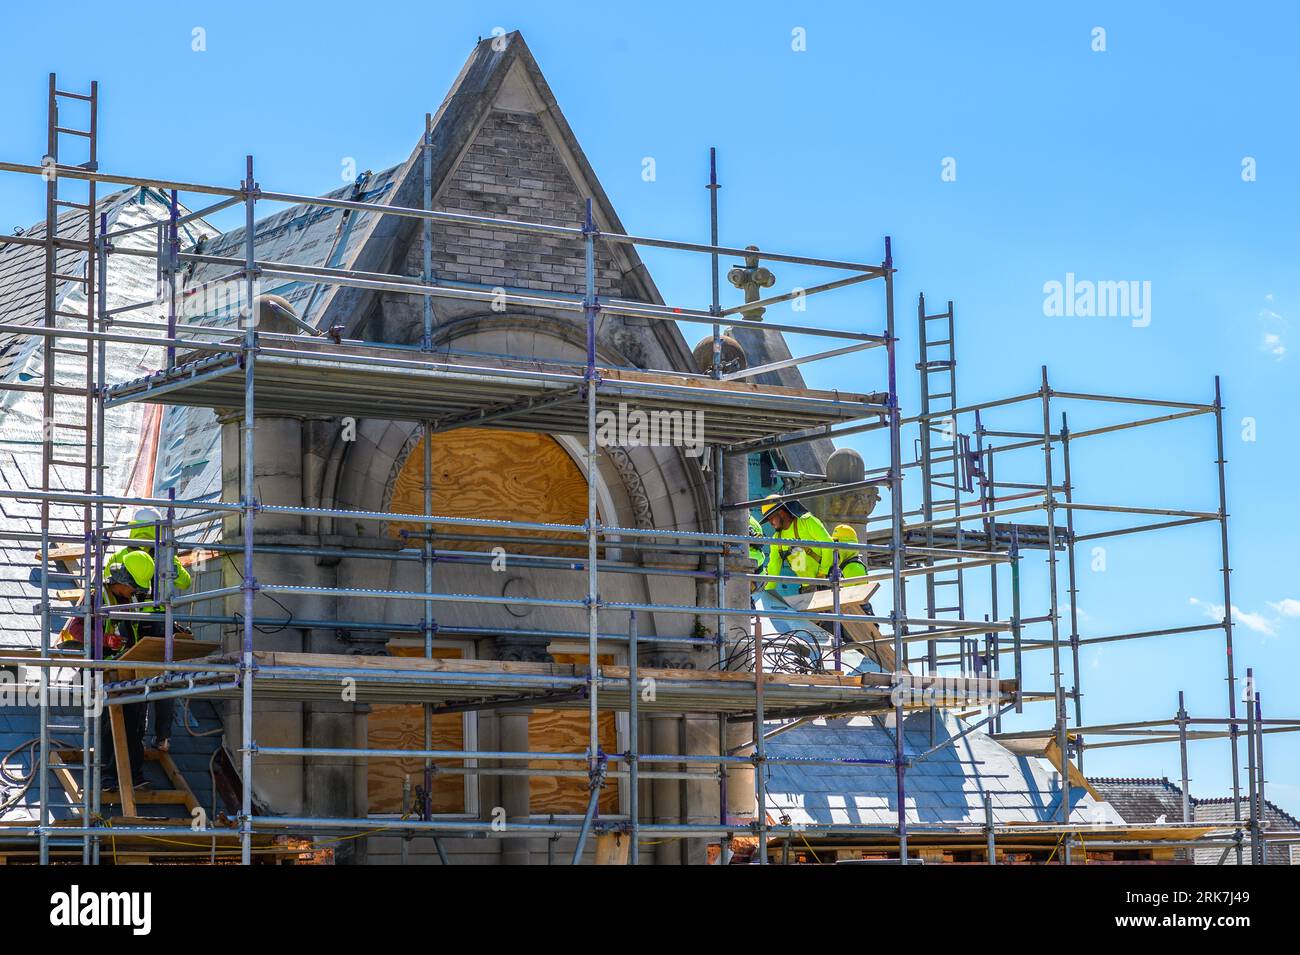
(142,539)
(792,521)
(851,564)
(143,534)
(127,581)
(758,547)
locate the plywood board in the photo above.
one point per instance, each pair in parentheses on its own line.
(496,475)
(567,731)
(401,726)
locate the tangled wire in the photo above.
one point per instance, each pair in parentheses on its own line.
(795,651)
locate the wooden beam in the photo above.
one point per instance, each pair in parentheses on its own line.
(121,762)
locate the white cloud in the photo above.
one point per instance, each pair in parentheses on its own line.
(1287,606)
(1275,330)
(1251,621)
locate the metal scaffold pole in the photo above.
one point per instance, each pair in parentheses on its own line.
(1072,575)
(1058,689)
(591,308)
(898,614)
(427,555)
(1233,728)
(248,491)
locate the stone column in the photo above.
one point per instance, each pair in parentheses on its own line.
(665,729)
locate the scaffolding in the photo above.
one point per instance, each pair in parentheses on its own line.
(962,528)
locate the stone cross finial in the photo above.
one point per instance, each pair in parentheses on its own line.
(750,279)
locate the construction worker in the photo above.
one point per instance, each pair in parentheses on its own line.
(143,534)
(127,581)
(851,564)
(142,538)
(792,521)
(757,551)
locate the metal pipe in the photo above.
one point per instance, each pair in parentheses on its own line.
(1182,758)
(898,613)
(248,490)
(1221,462)
(1062,741)
(1071,574)
(634,743)
(1251,769)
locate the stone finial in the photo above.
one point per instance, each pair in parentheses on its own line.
(750,278)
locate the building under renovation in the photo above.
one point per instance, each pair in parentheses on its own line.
(465,505)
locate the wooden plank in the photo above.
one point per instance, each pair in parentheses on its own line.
(1077,779)
(613,848)
(179,783)
(64,775)
(75,552)
(823,601)
(121,761)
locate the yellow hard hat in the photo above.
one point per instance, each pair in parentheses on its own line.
(771,503)
(844,534)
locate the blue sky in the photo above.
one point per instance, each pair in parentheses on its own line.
(1124,164)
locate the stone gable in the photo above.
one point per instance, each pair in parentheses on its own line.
(513,171)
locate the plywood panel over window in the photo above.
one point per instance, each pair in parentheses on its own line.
(496,475)
(401,726)
(500,475)
(568,731)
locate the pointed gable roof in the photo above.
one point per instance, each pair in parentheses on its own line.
(500,75)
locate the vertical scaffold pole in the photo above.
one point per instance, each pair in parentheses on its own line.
(633,744)
(719,493)
(248,490)
(94,631)
(1016,643)
(1233,729)
(427,555)
(898,614)
(1261,814)
(1072,575)
(760,744)
(713,257)
(1252,770)
(96,282)
(50,343)
(1058,690)
(1182,757)
(591,306)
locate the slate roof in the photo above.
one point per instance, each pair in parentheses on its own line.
(1142,800)
(1219,810)
(946,788)
(1146,800)
(131,279)
(190,750)
(189,453)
